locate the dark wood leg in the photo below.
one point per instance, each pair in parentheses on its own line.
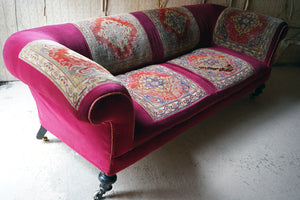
(258,91)
(105,184)
(41,134)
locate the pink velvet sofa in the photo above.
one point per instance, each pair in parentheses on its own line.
(116,88)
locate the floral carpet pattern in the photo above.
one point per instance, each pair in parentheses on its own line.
(73,74)
(246,32)
(222,70)
(161,91)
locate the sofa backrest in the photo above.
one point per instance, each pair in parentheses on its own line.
(116,42)
(249,33)
(124,42)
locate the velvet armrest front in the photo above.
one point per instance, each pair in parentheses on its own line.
(75,83)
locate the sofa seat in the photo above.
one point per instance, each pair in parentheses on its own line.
(220,69)
(164,93)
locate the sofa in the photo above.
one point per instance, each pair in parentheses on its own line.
(116,88)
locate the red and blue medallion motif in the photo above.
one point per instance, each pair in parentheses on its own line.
(161,91)
(177,29)
(118,43)
(222,70)
(122,46)
(246,32)
(73,74)
(175,21)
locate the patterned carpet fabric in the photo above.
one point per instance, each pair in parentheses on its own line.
(73,74)
(177,29)
(246,32)
(161,91)
(119,43)
(221,69)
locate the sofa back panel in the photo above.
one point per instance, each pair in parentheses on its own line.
(119,43)
(247,32)
(206,16)
(177,29)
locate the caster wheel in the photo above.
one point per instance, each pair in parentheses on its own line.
(105,185)
(98,195)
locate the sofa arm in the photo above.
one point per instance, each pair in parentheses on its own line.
(249,33)
(75,83)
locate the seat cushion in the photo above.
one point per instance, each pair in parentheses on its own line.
(161,91)
(221,69)
(163,97)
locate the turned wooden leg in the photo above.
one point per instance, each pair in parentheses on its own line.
(41,134)
(105,185)
(258,91)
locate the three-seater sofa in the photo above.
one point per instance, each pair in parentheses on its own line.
(116,88)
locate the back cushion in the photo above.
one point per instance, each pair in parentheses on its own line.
(118,43)
(247,32)
(177,30)
(124,42)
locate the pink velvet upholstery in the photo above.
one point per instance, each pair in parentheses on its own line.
(116,88)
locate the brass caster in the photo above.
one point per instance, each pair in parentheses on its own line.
(45,139)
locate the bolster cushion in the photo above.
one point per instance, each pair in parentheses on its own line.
(125,42)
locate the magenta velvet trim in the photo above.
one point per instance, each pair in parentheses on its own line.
(205,84)
(110,102)
(206,16)
(153,36)
(94,143)
(96,92)
(65,34)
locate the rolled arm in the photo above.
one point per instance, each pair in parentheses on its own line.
(75,83)
(249,33)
